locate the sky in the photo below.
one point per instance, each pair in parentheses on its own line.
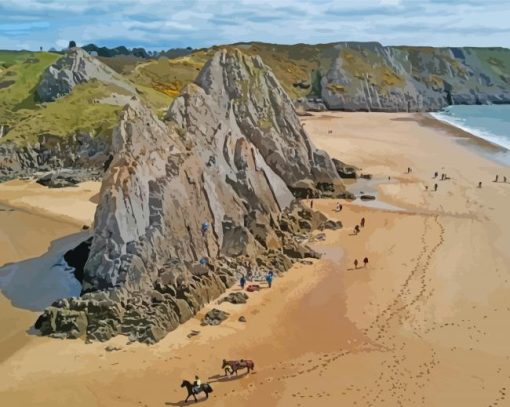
(164,24)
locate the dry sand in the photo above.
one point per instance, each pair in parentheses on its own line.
(424,324)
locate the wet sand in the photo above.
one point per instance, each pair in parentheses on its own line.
(37,225)
(424,324)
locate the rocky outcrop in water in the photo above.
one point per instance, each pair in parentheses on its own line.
(185,202)
(76,67)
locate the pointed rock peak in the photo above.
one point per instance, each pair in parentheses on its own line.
(74,68)
(234,87)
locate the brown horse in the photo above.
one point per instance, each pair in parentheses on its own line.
(232,366)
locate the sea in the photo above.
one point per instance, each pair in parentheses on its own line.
(489,122)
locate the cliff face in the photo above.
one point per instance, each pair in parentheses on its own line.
(376,78)
(151,264)
(371,77)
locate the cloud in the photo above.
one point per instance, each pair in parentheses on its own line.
(161,24)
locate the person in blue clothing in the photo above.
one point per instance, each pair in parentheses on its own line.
(205,228)
(269,279)
(242,281)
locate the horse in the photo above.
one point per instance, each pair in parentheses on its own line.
(235,365)
(206,388)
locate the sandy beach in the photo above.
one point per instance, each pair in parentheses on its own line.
(37,225)
(424,324)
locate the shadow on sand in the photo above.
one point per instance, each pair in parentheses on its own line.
(36,283)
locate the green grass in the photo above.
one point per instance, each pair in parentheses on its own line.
(25,69)
(68,115)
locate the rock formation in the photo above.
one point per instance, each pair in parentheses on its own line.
(76,67)
(226,157)
(82,152)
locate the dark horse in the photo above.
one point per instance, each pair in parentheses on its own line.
(206,388)
(232,366)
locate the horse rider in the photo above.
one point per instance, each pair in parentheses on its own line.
(197,385)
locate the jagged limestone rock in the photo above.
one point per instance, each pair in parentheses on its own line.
(152,264)
(244,95)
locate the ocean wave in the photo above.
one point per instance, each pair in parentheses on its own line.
(459,122)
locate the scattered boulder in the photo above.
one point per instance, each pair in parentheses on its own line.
(367,197)
(235,298)
(302,84)
(111,348)
(331,224)
(344,170)
(242,318)
(215,317)
(193,333)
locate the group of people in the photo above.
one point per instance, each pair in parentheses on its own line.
(356,263)
(444,177)
(357,227)
(250,276)
(497,179)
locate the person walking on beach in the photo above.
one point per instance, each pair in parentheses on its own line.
(497,177)
(435,187)
(269,279)
(362,223)
(356,263)
(504,180)
(338,207)
(436,174)
(365,261)
(356,229)
(409,170)
(242,282)
(311,204)
(480,184)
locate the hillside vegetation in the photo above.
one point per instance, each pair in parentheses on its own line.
(346,76)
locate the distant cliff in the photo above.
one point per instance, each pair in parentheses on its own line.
(368,76)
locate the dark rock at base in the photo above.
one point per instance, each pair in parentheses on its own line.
(347,195)
(235,298)
(77,258)
(111,348)
(299,251)
(367,197)
(215,317)
(344,170)
(242,318)
(366,176)
(61,179)
(193,333)
(331,224)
